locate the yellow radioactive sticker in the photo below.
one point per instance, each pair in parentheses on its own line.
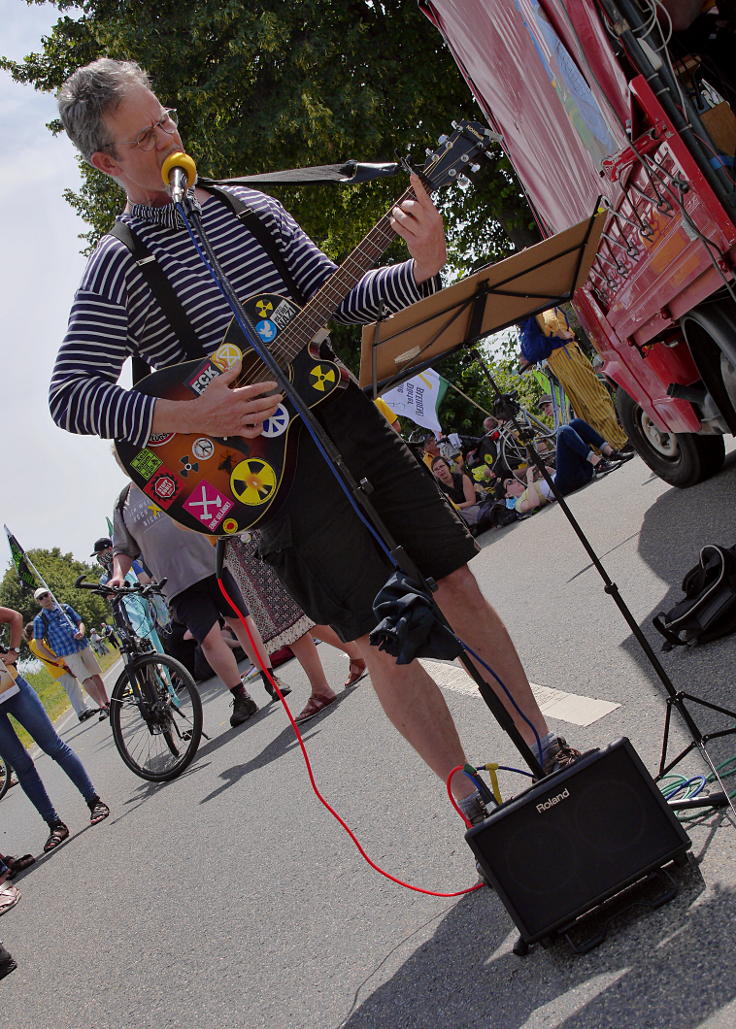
(321,376)
(264,307)
(253,482)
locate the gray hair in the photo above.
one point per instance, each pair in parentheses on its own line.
(90,93)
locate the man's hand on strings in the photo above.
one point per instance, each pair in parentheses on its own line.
(420,224)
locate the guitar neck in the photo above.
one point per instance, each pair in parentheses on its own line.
(320,308)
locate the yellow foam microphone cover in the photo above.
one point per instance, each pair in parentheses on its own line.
(183,161)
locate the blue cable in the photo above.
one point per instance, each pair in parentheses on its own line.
(505,689)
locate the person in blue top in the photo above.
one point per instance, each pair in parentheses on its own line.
(64,632)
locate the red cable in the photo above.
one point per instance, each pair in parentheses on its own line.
(313,783)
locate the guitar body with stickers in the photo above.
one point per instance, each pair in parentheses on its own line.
(221,486)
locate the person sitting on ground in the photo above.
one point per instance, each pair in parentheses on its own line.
(58,670)
(23,704)
(479,515)
(577,465)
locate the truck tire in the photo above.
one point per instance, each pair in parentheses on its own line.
(680,458)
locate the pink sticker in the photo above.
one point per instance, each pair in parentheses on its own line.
(207,504)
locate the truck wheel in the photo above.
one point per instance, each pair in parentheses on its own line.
(680,458)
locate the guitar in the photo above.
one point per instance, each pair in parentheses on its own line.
(221,486)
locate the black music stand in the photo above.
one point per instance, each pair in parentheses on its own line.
(545,275)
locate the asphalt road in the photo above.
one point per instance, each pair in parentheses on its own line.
(231,898)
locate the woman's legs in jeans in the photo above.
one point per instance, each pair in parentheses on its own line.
(29,711)
(573,447)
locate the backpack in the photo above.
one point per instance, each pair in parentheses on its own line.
(708,609)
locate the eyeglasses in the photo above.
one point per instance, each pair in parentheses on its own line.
(43,596)
(146,140)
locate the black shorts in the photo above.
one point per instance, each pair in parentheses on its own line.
(201,605)
(324,555)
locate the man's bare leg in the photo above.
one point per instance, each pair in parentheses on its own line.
(96,689)
(220,657)
(476,623)
(258,656)
(415,706)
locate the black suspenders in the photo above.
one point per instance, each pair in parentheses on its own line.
(163,290)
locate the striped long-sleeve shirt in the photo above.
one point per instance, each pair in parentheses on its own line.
(115,315)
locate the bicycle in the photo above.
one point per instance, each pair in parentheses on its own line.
(5,772)
(513,444)
(155,707)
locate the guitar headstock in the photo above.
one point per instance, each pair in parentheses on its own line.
(456,153)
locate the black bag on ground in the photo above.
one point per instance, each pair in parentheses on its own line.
(708,609)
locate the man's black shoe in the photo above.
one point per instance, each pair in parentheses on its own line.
(86,714)
(7,963)
(243,707)
(558,755)
(619,456)
(604,466)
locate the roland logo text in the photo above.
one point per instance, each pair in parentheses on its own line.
(545,805)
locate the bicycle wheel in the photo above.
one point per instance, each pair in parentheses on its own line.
(156,717)
(5,773)
(515,456)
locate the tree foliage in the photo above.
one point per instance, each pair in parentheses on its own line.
(271,85)
(274,85)
(60,572)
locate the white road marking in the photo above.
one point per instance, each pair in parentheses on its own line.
(567,707)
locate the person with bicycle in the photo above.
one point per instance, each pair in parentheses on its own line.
(186,561)
(24,705)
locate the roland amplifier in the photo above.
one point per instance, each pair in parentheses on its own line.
(576,838)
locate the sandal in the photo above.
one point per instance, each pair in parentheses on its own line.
(20,864)
(98,811)
(313,707)
(59,833)
(356,672)
(9,897)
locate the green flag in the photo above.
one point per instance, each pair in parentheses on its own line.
(18,554)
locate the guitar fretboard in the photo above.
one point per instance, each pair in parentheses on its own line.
(320,308)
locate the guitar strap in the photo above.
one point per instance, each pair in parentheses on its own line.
(164,291)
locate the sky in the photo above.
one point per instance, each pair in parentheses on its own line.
(57,487)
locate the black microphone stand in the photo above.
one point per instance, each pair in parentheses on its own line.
(675,698)
(359,491)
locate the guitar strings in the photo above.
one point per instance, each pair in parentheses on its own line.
(327,297)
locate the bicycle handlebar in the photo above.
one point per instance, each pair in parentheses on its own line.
(139,588)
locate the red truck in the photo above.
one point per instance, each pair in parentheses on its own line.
(590,102)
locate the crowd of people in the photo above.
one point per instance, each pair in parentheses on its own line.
(491,490)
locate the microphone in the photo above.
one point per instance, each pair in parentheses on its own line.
(179,173)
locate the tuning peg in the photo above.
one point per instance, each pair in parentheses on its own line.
(442,139)
(454,124)
(475,167)
(463,180)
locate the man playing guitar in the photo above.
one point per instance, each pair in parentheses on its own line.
(326,558)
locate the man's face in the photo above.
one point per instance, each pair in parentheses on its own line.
(431,446)
(546,410)
(45,601)
(512,488)
(105,558)
(138,171)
